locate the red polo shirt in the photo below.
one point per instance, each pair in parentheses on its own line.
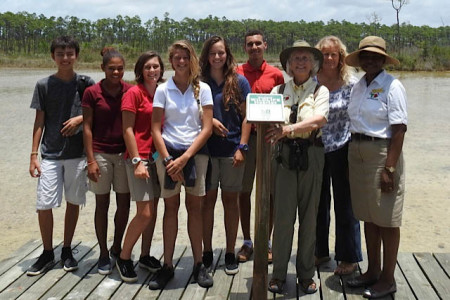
(261,80)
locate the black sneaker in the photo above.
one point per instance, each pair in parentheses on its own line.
(150,263)
(231,266)
(207,259)
(161,278)
(126,270)
(104,266)
(67,260)
(201,276)
(44,263)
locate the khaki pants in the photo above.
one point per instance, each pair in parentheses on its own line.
(296,192)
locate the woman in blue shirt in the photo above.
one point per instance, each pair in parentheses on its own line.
(227,145)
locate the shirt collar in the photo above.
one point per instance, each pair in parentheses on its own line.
(260,69)
(304,86)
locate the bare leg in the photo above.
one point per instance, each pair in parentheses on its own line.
(195,225)
(208,218)
(136,227)
(373,244)
(147,235)
(70,222)
(244,213)
(170,227)
(101,222)
(45,218)
(231,218)
(120,219)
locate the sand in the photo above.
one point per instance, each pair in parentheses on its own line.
(426,219)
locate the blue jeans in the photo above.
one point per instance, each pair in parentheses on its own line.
(348,236)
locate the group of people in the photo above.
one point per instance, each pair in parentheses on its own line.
(148,140)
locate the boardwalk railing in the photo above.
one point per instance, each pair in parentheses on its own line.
(423,276)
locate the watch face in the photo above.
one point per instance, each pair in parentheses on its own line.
(135,160)
(243,147)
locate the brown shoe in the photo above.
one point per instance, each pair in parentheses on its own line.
(269,256)
(245,253)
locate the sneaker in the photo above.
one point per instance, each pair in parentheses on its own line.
(44,263)
(245,253)
(70,264)
(104,266)
(201,276)
(161,278)
(126,270)
(150,263)
(207,259)
(231,266)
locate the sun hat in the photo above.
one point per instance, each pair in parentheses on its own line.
(372,44)
(300,45)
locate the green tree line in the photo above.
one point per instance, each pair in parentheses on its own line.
(26,34)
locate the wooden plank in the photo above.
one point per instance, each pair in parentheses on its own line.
(242,282)
(222,281)
(435,274)
(90,280)
(422,289)
(16,280)
(403,290)
(127,290)
(87,261)
(330,284)
(50,278)
(145,293)
(18,255)
(110,284)
(444,261)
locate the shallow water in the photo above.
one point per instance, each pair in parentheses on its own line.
(426,220)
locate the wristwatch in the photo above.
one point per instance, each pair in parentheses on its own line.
(167,160)
(243,147)
(136,160)
(390,169)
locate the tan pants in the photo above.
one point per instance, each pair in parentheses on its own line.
(296,192)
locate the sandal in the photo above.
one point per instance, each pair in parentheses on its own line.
(308,286)
(345,268)
(276,285)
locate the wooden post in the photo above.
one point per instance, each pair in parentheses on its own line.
(262,208)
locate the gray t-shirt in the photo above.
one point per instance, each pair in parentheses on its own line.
(60,101)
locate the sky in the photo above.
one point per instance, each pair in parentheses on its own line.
(433,13)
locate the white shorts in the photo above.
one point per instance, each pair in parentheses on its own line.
(56,174)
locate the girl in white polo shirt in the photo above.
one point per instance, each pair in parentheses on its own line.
(181,125)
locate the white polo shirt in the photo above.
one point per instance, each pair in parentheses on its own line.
(182,122)
(374,108)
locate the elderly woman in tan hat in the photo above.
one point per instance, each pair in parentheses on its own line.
(298,164)
(378,120)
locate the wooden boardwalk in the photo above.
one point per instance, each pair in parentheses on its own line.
(423,276)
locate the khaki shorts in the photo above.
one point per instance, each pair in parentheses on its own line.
(366,161)
(250,166)
(112,170)
(223,172)
(58,175)
(201,166)
(143,189)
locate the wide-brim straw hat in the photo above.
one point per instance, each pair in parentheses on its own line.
(300,45)
(372,44)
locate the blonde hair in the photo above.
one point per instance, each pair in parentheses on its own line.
(345,72)
(194,68)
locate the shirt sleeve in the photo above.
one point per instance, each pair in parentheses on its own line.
(245,87)
(37,102)
(397,107)
(130,101)
(205,94)
(321,106)
(159,100)
(88,98)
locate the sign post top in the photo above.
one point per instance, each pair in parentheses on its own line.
(265,108)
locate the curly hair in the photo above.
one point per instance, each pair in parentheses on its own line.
(345,71)
(231,90)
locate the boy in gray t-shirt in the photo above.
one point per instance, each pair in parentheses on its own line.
(57,100)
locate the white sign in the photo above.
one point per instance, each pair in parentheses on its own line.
(265,108)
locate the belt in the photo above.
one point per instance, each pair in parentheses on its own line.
(363,137)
